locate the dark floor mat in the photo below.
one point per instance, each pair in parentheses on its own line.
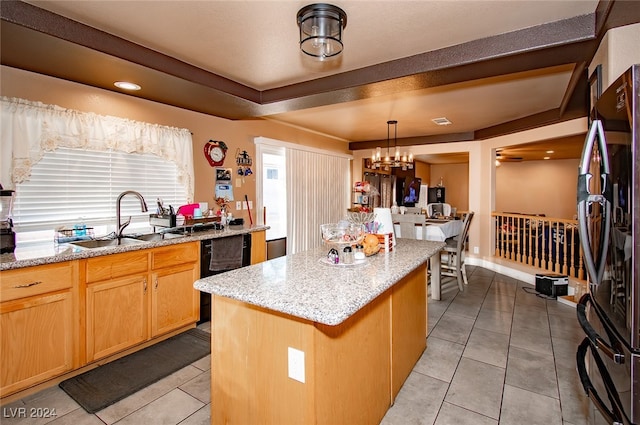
(107,384)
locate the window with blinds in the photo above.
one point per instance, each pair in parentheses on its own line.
(72,186)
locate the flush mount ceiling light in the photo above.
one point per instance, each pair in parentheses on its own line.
(125,85)
(321,26)
(405,162)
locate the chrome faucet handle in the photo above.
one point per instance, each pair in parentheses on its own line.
(122,227)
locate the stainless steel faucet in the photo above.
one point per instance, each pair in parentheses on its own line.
(143,206)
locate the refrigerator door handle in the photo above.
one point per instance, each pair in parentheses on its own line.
(586,198)
(613,416)
(596,340)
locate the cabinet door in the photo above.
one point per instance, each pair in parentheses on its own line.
(174,300)
(116,315)
(258,247)
(37,341)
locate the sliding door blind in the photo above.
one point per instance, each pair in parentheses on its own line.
(318,190)
(68,186)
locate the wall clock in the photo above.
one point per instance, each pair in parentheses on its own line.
(215,151)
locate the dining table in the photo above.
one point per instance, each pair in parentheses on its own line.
(436,229)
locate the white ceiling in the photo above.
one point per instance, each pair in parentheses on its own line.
(255,43)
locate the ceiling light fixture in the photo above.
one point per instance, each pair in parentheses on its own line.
(321,26)
(441,121)
(405,162)
(125,85)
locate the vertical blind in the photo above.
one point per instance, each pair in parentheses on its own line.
(68,186)
(318,192)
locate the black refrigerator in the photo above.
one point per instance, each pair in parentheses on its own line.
(608,359)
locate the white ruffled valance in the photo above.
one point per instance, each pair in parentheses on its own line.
(29,129)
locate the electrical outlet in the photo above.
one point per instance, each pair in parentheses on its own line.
(296,364)
(250,205)
(238,205)
(476,250)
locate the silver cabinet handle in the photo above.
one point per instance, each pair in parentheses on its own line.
(156,283)
(26,285)
(144,283)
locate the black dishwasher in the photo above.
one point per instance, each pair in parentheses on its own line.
(205,260)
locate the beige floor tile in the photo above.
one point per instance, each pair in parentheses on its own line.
(453,328)
(77,417)
(477,386)
(532,371)
(574,402)
(199,387)
(418,401)
(39,408)
(440,359)
(170,409)
(525,407)
(487,347)
(494,321)
(203,364)
(532,340)
(201,417)
(453,415)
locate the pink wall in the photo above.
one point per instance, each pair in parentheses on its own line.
(455,178)
(537,187)
(236,134)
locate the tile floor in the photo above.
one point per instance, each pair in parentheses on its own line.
(496,355)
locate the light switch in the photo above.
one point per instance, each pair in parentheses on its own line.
(238,205)
(296,364)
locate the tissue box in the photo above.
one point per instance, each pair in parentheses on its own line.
(553,285)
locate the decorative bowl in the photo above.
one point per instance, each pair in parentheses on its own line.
(342,234)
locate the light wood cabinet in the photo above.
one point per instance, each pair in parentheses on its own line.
(56,318)
(174,301)
(116,315)
(258,247)
(140,295)
(38,325)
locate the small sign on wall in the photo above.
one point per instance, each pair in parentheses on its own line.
(223,187)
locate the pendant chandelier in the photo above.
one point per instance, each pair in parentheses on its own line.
(384,162)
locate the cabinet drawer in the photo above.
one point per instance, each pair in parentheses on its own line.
(36,280)
(174,255)
(116,265)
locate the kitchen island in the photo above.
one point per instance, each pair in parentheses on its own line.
(298,341)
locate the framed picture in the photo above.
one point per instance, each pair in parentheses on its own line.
(595,90)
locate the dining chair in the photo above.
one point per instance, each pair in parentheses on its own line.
(408,223)
(452,255)
(439,208)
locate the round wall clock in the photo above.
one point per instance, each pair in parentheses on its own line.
(215,151)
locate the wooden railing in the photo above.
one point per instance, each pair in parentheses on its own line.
(550,244)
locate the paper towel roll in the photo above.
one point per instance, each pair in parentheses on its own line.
(383,216)
(422,201)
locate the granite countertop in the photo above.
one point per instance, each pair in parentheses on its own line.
(302,285)
(50,253)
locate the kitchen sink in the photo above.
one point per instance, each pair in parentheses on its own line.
(102,243)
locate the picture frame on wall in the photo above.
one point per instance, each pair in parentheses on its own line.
(595,90)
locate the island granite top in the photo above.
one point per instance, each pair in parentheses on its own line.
(304,286)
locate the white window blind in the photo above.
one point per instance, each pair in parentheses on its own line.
(68,186)
(318,190)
